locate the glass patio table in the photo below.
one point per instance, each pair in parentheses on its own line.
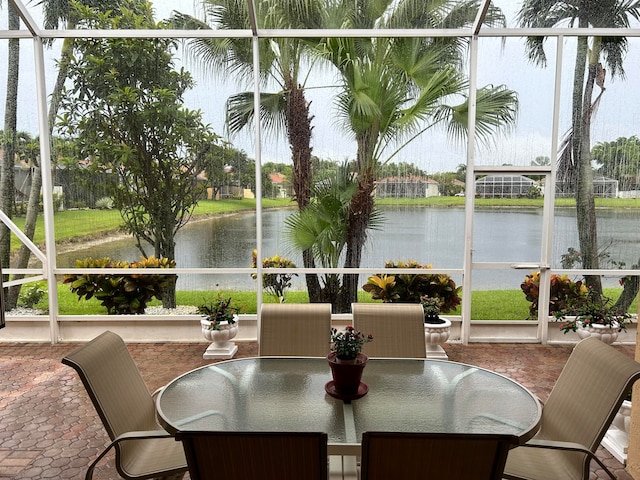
(405,395)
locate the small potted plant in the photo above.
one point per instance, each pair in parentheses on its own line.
(431,307)
(347,344)
(347,362)
(594,316)
(436,330)
(219,325)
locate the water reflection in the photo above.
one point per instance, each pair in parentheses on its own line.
(429,235)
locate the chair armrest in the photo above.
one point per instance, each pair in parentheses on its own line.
(137,435)
(569,446)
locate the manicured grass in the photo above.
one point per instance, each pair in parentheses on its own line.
(485,304)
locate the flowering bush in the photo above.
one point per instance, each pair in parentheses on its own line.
(348,343)
(595,310)
(275,284)
(564,293)
(218,313)
(409,288)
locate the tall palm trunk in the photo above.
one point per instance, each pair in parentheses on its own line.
(360,211)
(33,207)
(7,176)
(585,199)
(299,129)
(29,230)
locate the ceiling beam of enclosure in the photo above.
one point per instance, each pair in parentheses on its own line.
(34,30)
(26,17)
(482,13)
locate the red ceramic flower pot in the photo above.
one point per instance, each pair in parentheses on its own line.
(347,373)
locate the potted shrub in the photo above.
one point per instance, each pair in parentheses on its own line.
(436,330)
(219,325)
(594,316)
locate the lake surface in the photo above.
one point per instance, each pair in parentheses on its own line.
(429,235)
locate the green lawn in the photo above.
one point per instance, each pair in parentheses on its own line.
(485,304)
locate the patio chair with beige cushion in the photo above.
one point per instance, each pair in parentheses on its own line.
(580,408)
(294,329)
(255,455)
(450,456)
(125,406)
(397,329)
(302,329)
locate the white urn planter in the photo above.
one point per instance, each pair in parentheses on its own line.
(221,347)
(434,335)
(605,333)
(616,440)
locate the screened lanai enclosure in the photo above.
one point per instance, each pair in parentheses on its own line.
(128,128)
(505,186)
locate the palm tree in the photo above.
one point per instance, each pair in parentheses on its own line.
(391,87)
(322,227)
(29,149)
(575,156)
(9,138)
(394,89)
(284,111)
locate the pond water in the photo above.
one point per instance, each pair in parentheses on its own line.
(429,235)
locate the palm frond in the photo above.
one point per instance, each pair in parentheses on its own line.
(496,112)
(240,111)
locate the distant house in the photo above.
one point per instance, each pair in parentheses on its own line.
(283,186)
(406,187)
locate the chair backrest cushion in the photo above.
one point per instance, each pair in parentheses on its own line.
(292,329)
(450,456)
(115,385)
(588,393)
(255,455)
(397,329)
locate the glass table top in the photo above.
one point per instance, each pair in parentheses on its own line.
(405,395)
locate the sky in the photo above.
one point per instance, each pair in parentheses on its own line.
(433,152)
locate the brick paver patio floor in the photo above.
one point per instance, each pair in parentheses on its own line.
(49,429)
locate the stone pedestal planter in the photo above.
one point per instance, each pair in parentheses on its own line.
(221,346)
(605,333)
(434,335)
(616,440)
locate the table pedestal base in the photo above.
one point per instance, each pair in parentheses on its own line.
(224,353)
(436,351)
